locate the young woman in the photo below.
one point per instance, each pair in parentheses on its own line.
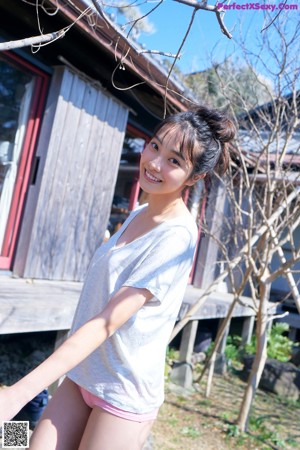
(114,357)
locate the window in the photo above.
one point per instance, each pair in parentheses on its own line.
(22,94)
(127,189)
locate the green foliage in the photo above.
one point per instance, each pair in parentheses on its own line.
(233,349)
(171,356)
(227,416)
(190,432)
(279,346)
(231,82)
(259,431)
(263,432)
(233,430)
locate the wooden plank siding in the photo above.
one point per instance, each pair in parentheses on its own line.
(78,180)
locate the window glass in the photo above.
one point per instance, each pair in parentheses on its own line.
(127,181)
(16,88)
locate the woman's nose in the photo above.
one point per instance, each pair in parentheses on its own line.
(155,164)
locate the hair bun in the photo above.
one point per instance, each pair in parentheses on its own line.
(221,126)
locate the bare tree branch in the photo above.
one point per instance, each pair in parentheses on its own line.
(37,40)
(258,234)
(274,18)
(205,7)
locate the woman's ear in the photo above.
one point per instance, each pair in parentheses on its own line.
(199,176)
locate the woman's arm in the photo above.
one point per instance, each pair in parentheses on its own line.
(75,349)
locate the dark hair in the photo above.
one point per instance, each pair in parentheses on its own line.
(205,134)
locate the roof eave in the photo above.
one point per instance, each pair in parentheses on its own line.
(123,50)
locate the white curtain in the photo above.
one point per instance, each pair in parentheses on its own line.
(12,161)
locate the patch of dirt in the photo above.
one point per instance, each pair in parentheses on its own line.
(190,421)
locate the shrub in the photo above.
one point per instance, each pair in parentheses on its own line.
(279,346)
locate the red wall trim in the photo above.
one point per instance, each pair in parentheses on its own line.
(29,145)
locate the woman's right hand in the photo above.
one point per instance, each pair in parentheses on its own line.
(10,404)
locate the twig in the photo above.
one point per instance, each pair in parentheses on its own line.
(278,316)
(177,57)
(32,40)
(272,21)
(205,7)
(158,52)
(259,233)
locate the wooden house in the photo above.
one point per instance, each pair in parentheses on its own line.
(279,132)
(74,114)
(63,125)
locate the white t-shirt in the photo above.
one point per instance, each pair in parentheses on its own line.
(127,370)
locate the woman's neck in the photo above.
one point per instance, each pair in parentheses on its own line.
(163,208)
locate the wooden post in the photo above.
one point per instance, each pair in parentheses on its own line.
(186,348)
(247,330)
(220,363)
(269,325)
(204,274)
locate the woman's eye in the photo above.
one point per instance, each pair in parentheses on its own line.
(175,161)
(154,145)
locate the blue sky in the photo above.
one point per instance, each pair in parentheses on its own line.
(206,44)
(171,20)
(206,40)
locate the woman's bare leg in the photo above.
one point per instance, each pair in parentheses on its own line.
(63,422)
(104,431)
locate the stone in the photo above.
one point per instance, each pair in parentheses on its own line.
(182,374)
(282,378)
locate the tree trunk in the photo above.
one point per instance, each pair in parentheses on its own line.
(260,357)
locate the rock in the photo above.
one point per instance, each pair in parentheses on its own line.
(198,358)
(182,374)
(281,378)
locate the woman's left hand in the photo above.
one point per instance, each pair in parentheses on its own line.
(10,404)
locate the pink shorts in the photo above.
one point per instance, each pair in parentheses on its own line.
(92,400)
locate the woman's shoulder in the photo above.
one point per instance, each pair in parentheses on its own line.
(186,224)
(181,229)
(182,224)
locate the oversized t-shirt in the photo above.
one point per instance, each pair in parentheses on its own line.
(127,370)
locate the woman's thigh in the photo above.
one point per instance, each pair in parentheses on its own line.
(104,431)
(63,422)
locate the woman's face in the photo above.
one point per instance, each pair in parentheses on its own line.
(163,169)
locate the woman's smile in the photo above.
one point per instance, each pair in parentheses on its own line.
(163,169)
(151,178)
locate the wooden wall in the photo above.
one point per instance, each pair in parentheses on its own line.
(69,204)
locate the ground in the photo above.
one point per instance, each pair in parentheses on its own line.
(187,420)
(190,421)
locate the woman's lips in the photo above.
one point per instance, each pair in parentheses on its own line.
(151,177)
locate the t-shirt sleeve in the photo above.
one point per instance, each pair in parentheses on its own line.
(166,261)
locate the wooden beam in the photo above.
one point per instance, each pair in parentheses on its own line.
(36,305)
